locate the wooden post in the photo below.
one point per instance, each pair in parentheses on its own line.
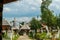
(1,8)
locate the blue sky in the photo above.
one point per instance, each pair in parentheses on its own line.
(24,10)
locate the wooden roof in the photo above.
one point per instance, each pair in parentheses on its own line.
(8,1)
(25,27)
(5,22)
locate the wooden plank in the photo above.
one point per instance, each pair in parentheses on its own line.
(8,1)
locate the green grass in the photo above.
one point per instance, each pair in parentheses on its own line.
(5,36)
(15,37)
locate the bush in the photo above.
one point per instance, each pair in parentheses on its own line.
(5,36)
(41,35)
(31,35)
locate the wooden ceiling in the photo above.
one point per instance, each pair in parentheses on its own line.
(8,1)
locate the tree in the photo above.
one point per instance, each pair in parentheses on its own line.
(46,14)
(35,24)
(22,23)
(58,20)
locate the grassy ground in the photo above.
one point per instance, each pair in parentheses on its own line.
(5,37)
(15,37)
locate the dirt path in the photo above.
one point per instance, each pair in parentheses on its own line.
(24,37)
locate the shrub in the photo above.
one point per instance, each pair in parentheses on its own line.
(31,35)
(41,35)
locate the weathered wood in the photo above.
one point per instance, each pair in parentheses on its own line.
(8,1)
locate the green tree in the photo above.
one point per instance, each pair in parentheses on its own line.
(46,14)
(35,24)
(58,20)
(22,23)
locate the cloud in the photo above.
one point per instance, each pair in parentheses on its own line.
(18,3)
(34,2)
(23,19)
(33,8)
(6,9)
(57,0)
(10,10)
(20,19)
(55,4)
(57,7)
(27,7)
(24,6)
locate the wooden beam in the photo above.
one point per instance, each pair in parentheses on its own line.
(8,1)
(1,8)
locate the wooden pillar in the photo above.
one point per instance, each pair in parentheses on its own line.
(1,8)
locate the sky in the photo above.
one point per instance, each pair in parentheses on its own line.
(24,10)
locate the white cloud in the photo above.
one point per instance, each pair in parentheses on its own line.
(57,7)
(6,9)
(33,8)
(29,1)
(57,0)
(18,3)
(23,19)
(55,4)
(25,5)
(38,1)
(34,2)
(9,9)
(20,19)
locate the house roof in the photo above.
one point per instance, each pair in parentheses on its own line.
(15,28)
(25,27)
(8,1)
(5,22)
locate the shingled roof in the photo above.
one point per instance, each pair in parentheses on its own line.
(5,22)
(25,27)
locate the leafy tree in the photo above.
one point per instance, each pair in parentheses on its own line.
(58,20)
(35,24)
(22,23)
(46,14)
(41,36)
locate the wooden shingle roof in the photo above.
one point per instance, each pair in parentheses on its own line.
(25,27)
(5,22)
